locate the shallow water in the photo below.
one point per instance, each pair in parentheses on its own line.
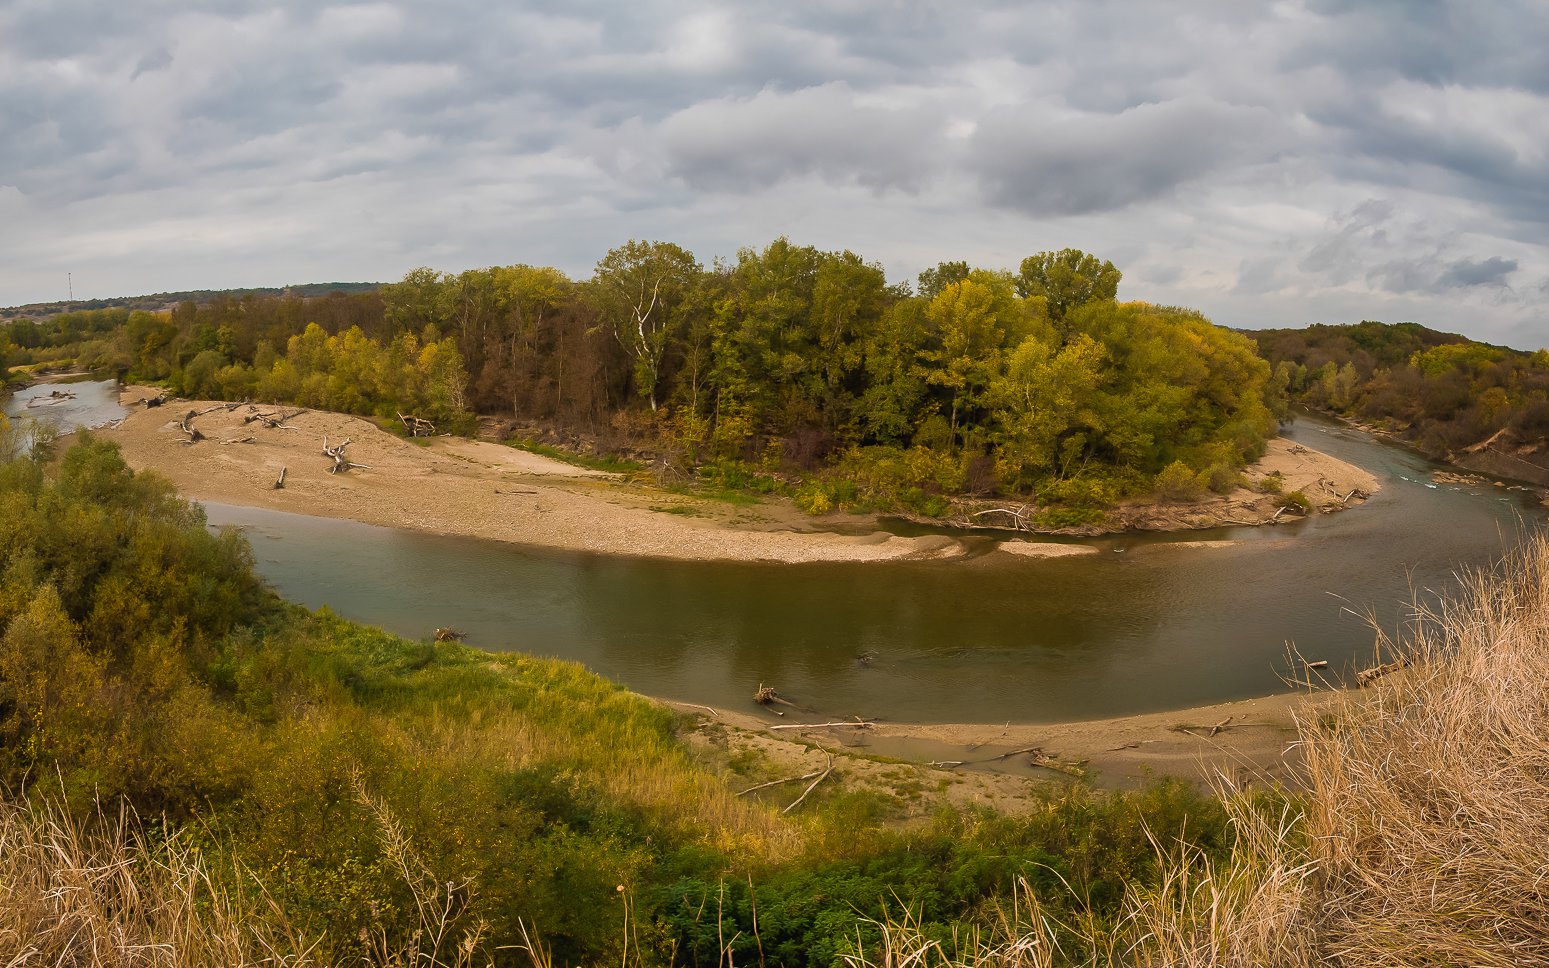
(1139,627)
(94,403)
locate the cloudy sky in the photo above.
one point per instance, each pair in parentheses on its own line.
(1269,163)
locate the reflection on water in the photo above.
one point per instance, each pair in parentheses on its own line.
(1139,627)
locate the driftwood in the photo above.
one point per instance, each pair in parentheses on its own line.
(779,782)
(946,764)
(240,440)
(449,635)
(856,724)
(279,483)
(417,426)
(155,401)
(1049,761)
(340,462)
(767,696)
(821,777)
(1206,730)
(1019,516)
(187,426)
(1367,676)
(274,421)
(1010,753)
(1319,664)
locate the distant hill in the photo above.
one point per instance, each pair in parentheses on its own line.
(166,300)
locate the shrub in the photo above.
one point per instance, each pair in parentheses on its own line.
(1177,482)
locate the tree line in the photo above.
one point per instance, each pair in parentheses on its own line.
(1034,382)
(1440,391)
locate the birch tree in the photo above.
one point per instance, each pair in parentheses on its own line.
(640,289)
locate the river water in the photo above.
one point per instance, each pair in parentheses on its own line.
(1144,625)
(81,403)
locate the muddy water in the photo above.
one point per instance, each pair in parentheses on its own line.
(1143,625)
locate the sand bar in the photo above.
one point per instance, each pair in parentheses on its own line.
(452,485)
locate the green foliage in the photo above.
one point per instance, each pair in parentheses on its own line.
(789,358)
(1066,280)
(1178,482)
(1296,501)
(1076,849)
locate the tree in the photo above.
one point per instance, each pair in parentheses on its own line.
(972,320)
(1067,279)
(640,287)
(932,281)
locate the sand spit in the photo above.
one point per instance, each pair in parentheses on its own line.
(450,485)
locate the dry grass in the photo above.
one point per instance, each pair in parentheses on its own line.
(103,892)
(1422,839)
(107,891)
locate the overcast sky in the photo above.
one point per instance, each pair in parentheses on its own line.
(1268,163)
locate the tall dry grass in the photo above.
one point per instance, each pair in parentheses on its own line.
(104,891)
(112,891)
(1422,837)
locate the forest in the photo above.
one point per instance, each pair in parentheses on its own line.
(786,367)
(1453,398)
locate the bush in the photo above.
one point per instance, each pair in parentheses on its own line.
(1177,482)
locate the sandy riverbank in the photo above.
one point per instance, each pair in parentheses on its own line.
(451,485)
(1246,743)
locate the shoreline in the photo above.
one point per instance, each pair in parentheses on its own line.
(459,486)
(1247,742)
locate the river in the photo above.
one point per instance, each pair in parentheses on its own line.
(1143,626)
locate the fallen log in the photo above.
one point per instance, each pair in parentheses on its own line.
(274,420)
(779,782)
(240,440)
(821,777)
(766,696)
(1048,761)
(187,426)
(1367,676)
(279,483)
(1206,730)
(858,724)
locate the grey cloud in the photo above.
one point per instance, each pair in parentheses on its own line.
(749,143)
(1466,273)
(1435,42)
(1044,164)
